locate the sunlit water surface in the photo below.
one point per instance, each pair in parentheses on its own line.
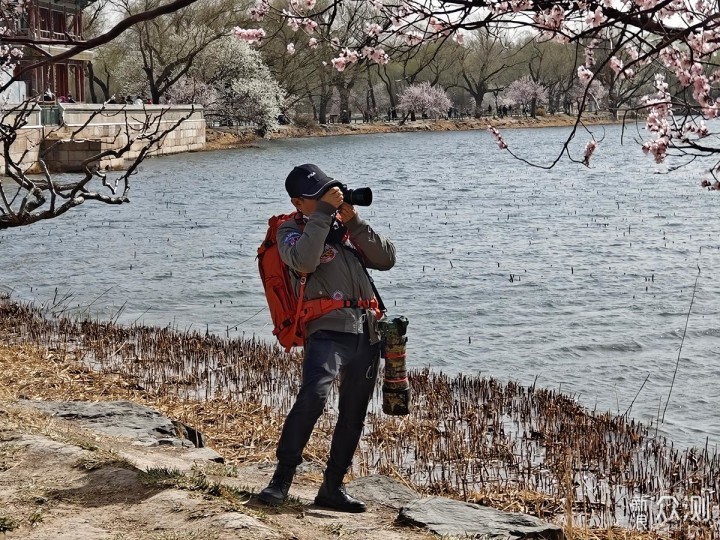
(579,278)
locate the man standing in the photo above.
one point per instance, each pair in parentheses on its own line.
(336,252)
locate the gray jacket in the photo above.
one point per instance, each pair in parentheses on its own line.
(336,271)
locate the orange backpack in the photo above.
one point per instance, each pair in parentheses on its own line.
(289,315)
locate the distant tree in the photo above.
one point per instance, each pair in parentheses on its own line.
(582,95)
(424,99)
(526,93)
(158,55)
(232,82)
(482,60)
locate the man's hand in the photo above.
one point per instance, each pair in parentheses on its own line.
(347,212)
(333,196)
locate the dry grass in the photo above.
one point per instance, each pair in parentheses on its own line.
(474,439)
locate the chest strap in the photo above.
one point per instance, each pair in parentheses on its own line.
(312,309)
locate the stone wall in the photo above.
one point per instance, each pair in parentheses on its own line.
(88,129)
(27,144)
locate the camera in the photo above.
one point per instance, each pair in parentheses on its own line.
(357,197)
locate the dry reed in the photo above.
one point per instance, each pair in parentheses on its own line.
(514,447)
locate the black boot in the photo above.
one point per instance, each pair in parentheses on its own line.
(279,486)
(332,494)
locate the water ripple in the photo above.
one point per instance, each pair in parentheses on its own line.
(581,278)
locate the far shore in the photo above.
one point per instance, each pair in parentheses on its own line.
(225,138)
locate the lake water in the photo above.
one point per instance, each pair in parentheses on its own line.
(579,278)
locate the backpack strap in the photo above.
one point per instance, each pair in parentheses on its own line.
(300,222)
(312,309)
(298,311)
(321,306)
(358,253)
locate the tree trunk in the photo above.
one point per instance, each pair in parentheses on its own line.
(533,107)
(314,108)
(345,113)
(613,105)
(93,80)
(322,110)
(387,80)
(478,97)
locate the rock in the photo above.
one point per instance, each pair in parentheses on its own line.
(236,521)
(146,426)
(447,517)
(382,490)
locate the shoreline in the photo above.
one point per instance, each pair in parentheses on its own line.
(229,138)
(244,404)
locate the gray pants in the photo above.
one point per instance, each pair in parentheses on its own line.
(326,354)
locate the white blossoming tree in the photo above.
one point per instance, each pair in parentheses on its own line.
(587,97)
(158,54)
(233,83)
(424,99)
(526,93)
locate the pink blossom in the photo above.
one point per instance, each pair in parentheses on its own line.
(339,63)
(291,48)
(425,98)
(595,18)
(498,138)
(313,43)
(589,149)
(700,129)
(346,58)
(584,74)
(551,19)
(373,30)
(525,91)
(437,25)
(251,35)
(657,121)
(259,10)
(292,21)
(377,55)
(302,5)
(309,25)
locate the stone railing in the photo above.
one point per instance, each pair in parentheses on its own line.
(84,130)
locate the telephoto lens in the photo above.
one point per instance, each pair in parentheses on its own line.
(396,387)
(357,197)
